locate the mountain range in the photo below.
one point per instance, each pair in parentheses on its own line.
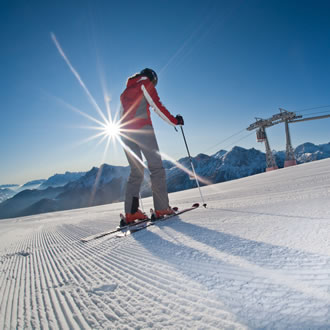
(107,184)
(9,190)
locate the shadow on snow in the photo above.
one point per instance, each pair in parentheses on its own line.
(264,285)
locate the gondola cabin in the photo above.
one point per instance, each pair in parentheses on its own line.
(261,135)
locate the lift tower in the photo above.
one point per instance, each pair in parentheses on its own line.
(261,125)
(286,117)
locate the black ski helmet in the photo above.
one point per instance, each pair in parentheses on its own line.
(151,74)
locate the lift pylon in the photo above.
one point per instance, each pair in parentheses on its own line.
(290,159)
(261,125)
(270,160)
(286,117)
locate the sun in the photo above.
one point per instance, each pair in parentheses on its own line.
(111,129)
(108,127)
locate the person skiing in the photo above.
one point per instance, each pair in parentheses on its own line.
(139,138)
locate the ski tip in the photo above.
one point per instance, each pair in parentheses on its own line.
(195,205)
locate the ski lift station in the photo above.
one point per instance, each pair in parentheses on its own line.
(287,118)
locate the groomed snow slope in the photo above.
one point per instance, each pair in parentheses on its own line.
(257,257)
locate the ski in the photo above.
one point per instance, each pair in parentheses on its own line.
(118,229)
(153,221)
(128,229)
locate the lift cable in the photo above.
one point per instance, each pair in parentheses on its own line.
(316,113)
(244,137)
(307,109)
(228,138)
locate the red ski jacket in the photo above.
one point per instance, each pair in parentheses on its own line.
(139,95)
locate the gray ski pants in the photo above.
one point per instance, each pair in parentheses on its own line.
(143,141)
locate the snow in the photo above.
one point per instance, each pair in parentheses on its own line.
(257,257)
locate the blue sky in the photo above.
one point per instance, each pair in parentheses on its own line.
(220,65)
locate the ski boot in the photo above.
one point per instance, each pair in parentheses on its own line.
(131,218)
(159,214)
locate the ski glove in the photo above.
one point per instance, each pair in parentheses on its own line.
(180,120)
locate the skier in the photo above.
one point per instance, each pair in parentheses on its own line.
(139,138)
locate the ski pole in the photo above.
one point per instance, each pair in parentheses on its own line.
(192,166)
(141,202)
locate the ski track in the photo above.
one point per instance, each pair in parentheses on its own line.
(67,284)
(139,279)
(205,269)
(64,283)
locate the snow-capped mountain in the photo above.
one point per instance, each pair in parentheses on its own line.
(305,153)
(35,184)
(98,186)
(6,193)
(24,202)
(15,188)
(107,184)
(59,180)
(308,152)
(222,166)
(9,186)
(97,177)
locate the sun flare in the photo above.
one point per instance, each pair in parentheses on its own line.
(111,129)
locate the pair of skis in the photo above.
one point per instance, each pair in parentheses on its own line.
(137,226)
